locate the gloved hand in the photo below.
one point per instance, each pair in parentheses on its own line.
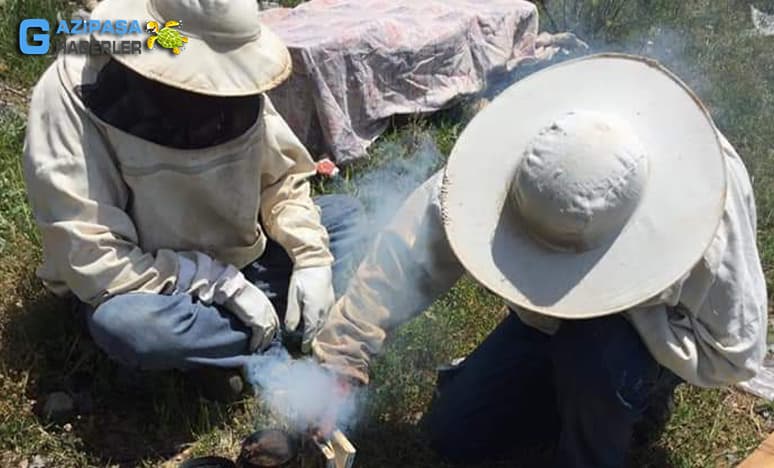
(214,282)
(310,295)
(254,309)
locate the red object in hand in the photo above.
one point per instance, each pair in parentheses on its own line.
(327,168)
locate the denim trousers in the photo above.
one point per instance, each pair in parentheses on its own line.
(156,332)
(580,391)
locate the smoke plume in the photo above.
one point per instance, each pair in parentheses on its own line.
(300,391)
(408,164)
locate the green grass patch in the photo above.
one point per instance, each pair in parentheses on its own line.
(17,69)
(15,218)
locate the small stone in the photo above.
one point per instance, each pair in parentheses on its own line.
(38,462)
(59,407)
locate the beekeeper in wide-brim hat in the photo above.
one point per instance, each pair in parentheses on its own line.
(587,188)
(227,52)
(599,201)
(593,187)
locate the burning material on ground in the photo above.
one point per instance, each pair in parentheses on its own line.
(278,448)
(268,448)
(309,405)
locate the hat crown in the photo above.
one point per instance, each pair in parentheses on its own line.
(213,20)
(579,180)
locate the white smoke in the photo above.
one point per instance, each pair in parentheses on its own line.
(383,189)
(300,391)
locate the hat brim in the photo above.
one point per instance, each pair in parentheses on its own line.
(202,67)
(666,236)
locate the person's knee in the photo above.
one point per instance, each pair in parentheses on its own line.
(346,203)
(134,330)
(345,211)
(604,364)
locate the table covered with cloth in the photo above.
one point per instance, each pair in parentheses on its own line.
(359,62)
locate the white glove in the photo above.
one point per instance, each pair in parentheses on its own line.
(214,282)
(254,309)
(310,295)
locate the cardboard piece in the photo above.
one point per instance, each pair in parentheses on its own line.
(762,457)
(344,450)
(338,452)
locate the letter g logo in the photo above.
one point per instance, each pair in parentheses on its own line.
(40,43)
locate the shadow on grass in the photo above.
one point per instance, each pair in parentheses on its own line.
(119,417)
(399,443)
(402,444)
(652,456)
(392,443)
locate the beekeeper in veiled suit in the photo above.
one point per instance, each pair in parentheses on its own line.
(599,201)
(173,200)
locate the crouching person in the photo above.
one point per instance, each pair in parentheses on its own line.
(598,200)
(173,199)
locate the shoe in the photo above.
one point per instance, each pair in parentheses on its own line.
(219,385)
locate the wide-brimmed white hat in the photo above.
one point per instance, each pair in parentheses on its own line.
(228,53)
(586,188)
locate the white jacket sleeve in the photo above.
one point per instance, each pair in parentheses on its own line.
(288,213)
(409,266)
(713,330)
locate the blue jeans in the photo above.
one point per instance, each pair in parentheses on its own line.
(156,332)
(581,391)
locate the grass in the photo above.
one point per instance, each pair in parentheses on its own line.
(17,69)
(43,350)
(15,219)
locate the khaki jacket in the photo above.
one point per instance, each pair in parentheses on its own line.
(709,328)
(115,211)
